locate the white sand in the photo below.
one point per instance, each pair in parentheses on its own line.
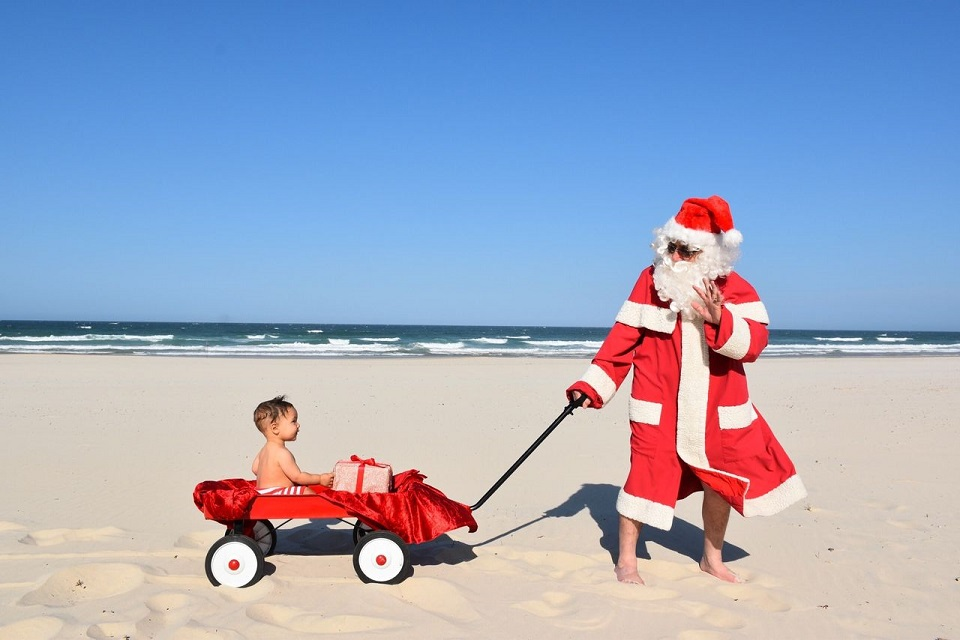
(99,537)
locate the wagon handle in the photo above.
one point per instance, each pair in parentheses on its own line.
(574,404)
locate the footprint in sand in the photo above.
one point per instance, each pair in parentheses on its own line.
(438,597)
(168,617)
(248,594)
(713,616)
(199,539)
(550,605)
(49,537)
(84,583)
(299,621)
(636,593)
(494,563)
(563,610)
(166,610)
(555,565)
(672,571)
(112,630)
(39,628)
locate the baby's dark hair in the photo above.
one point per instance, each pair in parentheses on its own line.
(269,411)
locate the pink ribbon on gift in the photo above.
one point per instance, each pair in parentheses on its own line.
(363,463)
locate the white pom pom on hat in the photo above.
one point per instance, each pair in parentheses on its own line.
(704,222)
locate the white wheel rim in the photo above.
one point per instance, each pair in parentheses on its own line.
(380,559)
(234,564)
(262,536)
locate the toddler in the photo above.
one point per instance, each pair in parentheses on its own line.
(275,467)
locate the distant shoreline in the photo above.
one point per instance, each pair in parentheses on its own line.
(325,341)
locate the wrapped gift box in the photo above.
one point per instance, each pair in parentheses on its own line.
(358,475)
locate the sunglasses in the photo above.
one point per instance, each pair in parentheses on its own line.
(684,251)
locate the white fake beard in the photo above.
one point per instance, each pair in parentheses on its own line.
(675,281)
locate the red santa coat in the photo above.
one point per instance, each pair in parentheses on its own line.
(691,417)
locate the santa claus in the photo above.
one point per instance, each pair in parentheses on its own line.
(686,330)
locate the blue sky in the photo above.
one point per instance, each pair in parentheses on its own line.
(473,162)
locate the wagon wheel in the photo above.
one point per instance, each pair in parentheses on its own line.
(264,534)
(260,531)
(234,561)
(381,557)
(359,531)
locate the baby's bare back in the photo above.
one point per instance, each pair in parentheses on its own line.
(268,466)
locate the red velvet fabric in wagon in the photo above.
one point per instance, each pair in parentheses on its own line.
(414,510)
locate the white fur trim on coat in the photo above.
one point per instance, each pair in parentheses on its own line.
(737,417)
(647,316)
(777,500)
(648,512)
(755,311)
(601,382)
(692,398)
(645,412)
(692,394)
(738,344)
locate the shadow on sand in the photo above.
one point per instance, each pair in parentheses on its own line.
(325,537)
(600,502)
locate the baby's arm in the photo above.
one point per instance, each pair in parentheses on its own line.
(255,467)
(288,465)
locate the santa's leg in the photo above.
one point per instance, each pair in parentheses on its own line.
(716,515)
(626,568)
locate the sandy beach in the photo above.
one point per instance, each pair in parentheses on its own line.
(99,537)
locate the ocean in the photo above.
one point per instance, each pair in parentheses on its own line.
(397,341)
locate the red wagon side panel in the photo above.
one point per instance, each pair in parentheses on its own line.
(294,507)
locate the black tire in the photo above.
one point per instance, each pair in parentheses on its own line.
(234,561)
(381,557)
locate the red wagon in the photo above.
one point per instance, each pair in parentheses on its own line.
(385,523)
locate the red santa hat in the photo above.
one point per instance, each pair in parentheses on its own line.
(703,223)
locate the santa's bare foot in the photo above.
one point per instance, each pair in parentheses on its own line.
(628,575)
(719,570)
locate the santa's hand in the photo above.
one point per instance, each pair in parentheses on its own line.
(712,307)
(575,395)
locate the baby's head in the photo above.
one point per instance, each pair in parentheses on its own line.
(269,412)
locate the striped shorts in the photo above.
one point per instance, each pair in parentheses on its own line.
(295,490)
